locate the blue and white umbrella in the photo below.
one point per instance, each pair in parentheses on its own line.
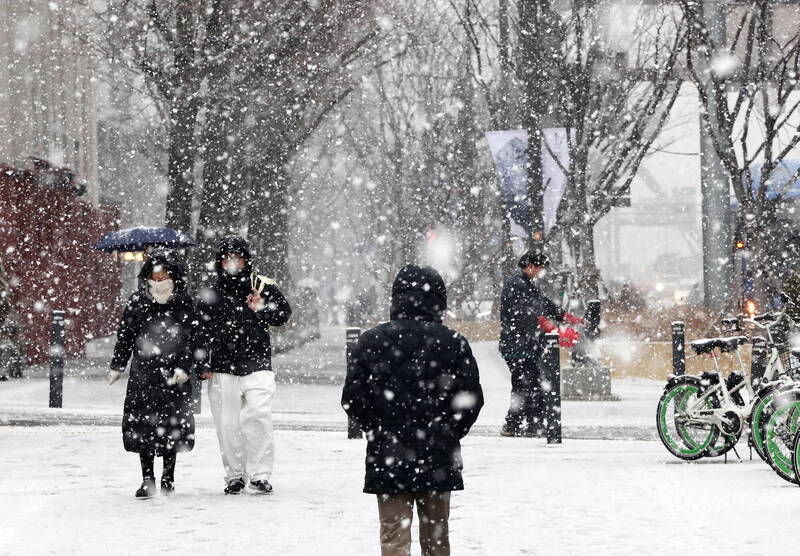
(137,239)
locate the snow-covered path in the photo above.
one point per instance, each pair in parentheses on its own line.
(318,405)
(69,490)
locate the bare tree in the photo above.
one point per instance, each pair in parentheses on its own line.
(746,75)
(411,170)
(241,85)
(615,96)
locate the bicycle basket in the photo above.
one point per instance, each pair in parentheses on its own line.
(790,362)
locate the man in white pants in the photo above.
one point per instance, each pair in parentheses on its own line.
(234,347)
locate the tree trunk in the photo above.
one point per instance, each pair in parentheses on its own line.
(184,107)
(181,164)
(268,218)
(588,274)
(220,211)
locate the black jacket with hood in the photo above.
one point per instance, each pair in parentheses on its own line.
(233,338)
(413,386)
(157,416)
(521,305)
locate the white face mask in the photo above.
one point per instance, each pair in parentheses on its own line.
(541,274)
(232,268)
(161,290)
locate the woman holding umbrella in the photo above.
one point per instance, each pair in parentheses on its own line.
(156,329)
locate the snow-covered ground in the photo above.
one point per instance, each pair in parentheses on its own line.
(317,405)
(69,490)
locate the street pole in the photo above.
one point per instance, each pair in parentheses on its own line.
(715,186)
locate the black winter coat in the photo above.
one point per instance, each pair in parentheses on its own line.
(413,386)
(521,305)
(234,338)
(157,416)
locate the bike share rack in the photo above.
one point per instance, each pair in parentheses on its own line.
(758,362)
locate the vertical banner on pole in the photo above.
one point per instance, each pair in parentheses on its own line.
(510,152)
(555,160)
(57,360)
(351,337)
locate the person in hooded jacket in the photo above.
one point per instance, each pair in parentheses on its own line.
(526,313)
(156,329)
(413,387)
(235,316)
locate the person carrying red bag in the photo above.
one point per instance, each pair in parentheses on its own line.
(526,314)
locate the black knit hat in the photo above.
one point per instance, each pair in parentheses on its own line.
(535,258)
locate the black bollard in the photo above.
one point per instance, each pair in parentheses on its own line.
(197,393)
(351,337)
(551,378)
(678,352)
(57,360)
(758,363)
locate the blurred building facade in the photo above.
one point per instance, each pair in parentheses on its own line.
(47,96)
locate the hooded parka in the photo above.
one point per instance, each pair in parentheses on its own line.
(157,415)
(521,305)
(413,386)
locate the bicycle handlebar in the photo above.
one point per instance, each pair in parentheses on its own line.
(764,320)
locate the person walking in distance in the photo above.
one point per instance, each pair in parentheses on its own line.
(526,313)
(235,316)
(156,329)
(413,387)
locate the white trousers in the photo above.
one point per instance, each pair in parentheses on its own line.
(242,411)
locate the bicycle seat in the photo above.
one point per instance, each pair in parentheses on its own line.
(707,345)
(765,316)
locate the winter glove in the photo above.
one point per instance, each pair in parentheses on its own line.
(546,325)
(568,337)
(113,376)
(569,318)
(179,377)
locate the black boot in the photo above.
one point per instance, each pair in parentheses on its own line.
(168,475)
(148,487)
(147,490)
(167,487)
(261,487)
(236,486)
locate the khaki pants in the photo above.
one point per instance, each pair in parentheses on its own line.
(396,513)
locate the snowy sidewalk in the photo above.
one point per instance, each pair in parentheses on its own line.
(69,490)
(90,401)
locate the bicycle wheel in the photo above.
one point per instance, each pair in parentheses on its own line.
(796,455)
(684,440)
(756,419)
(779,431)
